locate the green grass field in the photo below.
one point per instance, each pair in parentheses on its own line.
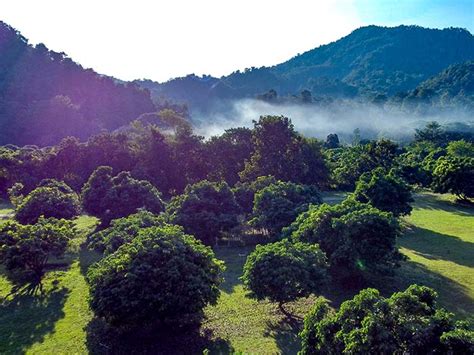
(439,244)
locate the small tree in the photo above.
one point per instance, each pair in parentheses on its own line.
(123,230)
(26,249)
(50,199)
(163,275)
(244,192)
(284,271)
(277,205)
(386,192)
(205,210)
(409,322)
(108,197)
(455,175)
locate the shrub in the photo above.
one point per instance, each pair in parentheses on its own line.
(278,204)
(408,322)
(50,199)
(386,192)
(205,210)
(26,249)
(122,230)
(284,271)
(163,276)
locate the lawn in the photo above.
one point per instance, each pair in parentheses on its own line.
(439,244)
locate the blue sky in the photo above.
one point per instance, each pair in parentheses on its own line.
(162,39)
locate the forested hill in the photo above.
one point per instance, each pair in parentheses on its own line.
(452,88)
(370,61)
(45,96)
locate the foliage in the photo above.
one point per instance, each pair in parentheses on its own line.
(244,192)
(284,271)
(408,322)
(163,276)
(356,237)
(461,149)
(278,204)
(387,192)
(108,197)
(26,249)
(282,153)
(50,199)
(122,230)
(455,175)
(205,210)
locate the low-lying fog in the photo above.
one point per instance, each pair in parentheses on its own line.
(341,117)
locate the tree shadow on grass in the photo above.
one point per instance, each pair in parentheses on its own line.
(437,246)
(285,332)
(433,202)
(87,257)
(26,319)
(102,339)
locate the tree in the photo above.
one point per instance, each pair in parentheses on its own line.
(26,249)
(205,210)
(409,322)
(461,149)
(455,175)
(50,199)
(431,133)
(244,192)
(281,152)
(332,141)
(162,276)
(386,192)
(226,154)
(123,230)
(284,271)
(357,238)
(278,204)
(108,197)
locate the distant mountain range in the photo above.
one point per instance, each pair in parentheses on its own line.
(45,96)
(370,62)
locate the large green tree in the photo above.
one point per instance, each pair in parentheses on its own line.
(409,322)
(385,191)
(284,271)
(455,175)
(50,199)
(162,276)
(278,204)
(205,210)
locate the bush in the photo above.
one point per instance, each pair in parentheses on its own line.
(386,192)
(50,199)
(163,276)
(278,204)
(244,192)
(122,230)
(108,197)
(284,271)
(205,210)
(408,322)
(26,249)
(356,237)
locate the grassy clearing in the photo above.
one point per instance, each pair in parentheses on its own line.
(439,244)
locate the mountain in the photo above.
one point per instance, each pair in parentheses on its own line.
(451,88)
(45,96)
(370,61)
